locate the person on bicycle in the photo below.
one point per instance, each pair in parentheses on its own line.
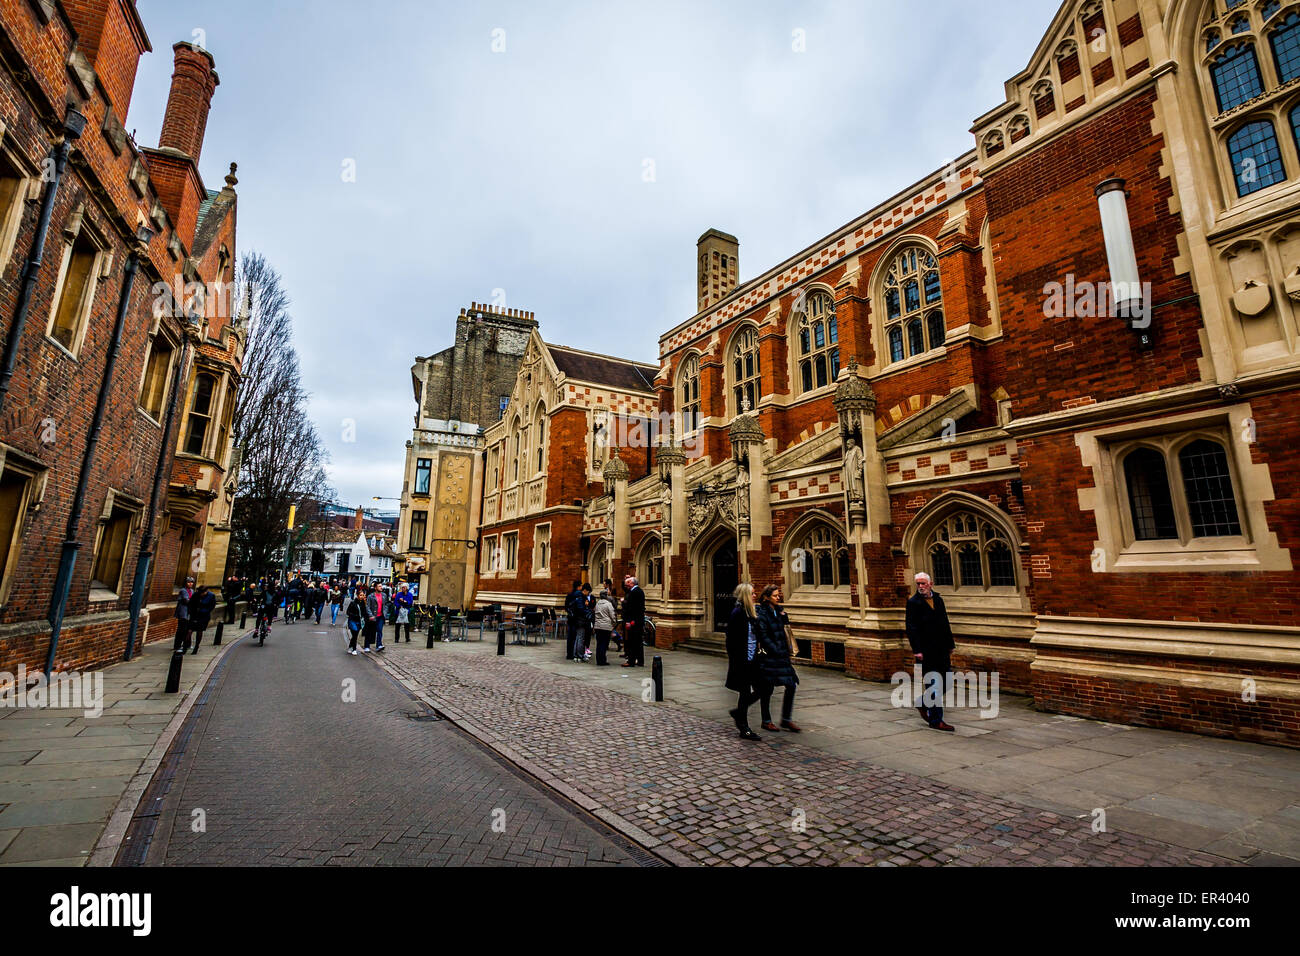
(293,597)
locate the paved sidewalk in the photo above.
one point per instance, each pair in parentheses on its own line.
(68,782)
(676,777)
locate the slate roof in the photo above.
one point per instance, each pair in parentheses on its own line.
(622,374)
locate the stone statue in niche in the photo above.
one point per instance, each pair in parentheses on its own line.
(854,470)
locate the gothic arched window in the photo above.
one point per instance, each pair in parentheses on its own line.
(1250,57)
(967,552)
(817,349)
(746,373)
(819,558)
(913,296)
(688,394)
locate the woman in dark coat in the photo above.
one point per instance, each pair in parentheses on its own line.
(742,643)
(774,664)
(201,606)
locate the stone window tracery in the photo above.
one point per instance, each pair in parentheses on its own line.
(746,371)
(967,552)
(1250,61)
(688,392)
(913,298)
(819,558)
(817,342)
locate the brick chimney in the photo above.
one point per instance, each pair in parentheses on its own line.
(717,267)
(194,80)
(174,165)
(359,522)
(111,37)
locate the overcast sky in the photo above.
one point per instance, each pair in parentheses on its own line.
(524,168)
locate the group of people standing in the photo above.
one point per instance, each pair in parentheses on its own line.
(193,614)
(367,609)
(601,618)
(760,648)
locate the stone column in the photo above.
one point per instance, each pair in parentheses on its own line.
(620,515)
(753,511)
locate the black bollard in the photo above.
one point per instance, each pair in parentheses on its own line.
(501,639)
(216,640)
(243,620)
(657,675)
(174,671)
(429,643)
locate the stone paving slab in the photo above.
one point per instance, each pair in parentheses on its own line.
(63,775)
(689,785)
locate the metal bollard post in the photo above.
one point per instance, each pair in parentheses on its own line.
(243,620)
(657,675)
(216,641)
(429,643)
(501,639)
(174,671)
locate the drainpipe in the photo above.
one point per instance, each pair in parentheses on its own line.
(144,562)
(73,124)
(68,557)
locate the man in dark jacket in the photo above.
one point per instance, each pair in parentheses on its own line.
(231,591)
(575,606)
(633,621)
(930,635)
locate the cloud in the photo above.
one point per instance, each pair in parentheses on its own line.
(523,170)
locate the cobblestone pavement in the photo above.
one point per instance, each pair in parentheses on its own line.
(690,788)
(281,770)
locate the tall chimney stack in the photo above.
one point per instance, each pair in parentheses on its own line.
(718,267)
(359,522)
(194,80)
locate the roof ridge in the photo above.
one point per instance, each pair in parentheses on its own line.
(603,355)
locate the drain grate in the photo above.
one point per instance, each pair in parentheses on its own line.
(421,716)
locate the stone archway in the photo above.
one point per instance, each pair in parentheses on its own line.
(715,572)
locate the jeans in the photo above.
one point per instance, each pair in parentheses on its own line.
(580,643)
(787,704)
(379,632)
(355,628)
(320,609)
(935,669)
(334,614)
(602,647)
(571,638)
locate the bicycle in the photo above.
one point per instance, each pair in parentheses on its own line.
(263,628)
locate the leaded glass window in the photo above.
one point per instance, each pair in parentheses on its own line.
(913,295)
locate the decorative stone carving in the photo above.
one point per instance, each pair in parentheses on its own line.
(854,476)
(715,503)
(1252,298)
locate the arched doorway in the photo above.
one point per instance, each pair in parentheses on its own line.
(724,576)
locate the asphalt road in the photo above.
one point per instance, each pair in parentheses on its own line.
(303,755)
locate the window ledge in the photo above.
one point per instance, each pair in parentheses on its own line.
(102,595)
(61,347)
(1189,559)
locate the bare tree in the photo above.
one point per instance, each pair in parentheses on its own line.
(283,459)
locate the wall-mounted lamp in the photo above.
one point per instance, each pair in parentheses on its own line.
(1127,292)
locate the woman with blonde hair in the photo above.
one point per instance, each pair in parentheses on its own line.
(742,645)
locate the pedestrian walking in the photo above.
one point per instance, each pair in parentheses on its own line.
(774,664)
(201,607)
(336,602)
(633,621)
(742,647)
(604,622)
(319,597)
(930,634)
(404,603)
(231,592)
(183,598)
(376,605)
(356,617)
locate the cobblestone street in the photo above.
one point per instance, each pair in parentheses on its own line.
(282,771)
(688,787)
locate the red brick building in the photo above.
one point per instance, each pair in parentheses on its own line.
(163,376)
(576,424)
(1057,375)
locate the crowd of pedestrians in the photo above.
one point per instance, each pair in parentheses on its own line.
(602,618)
